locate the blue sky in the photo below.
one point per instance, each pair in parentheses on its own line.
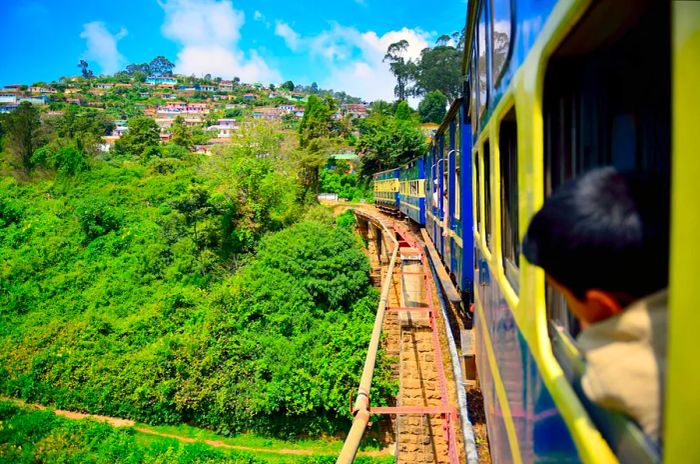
(338,44)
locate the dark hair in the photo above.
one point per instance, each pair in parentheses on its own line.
(604,230)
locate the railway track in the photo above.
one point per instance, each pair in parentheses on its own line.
(426,419)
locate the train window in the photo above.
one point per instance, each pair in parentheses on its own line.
(481,68)
(433,178)
(458,150)
(487,196)
(501,36)
(596,115)
(472,83)
(508,148)
(477,189)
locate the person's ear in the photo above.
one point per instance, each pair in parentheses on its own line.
(603,304)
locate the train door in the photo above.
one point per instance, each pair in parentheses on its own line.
(463,189)
(441,173)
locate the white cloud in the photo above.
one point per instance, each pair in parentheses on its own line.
(258,16)
(356,58)
(291,38)
(102,46)
(208,31)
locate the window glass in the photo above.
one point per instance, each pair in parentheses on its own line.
(508,149)
(458,157)
(477,183)
(482,83)
(473,79)
(445,176)
(435,176)
(501,36)
(487,196)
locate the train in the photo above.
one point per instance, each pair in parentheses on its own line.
(553,89)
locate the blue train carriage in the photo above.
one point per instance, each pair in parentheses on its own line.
(556,89)
(386,190)
(412,190)
(448,195)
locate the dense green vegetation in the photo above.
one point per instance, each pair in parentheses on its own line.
(193,290)
(30,436)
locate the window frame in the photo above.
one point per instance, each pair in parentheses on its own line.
(481,106)
(509,197)
(488,197)
(498,76)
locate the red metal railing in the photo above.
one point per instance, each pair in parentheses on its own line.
(362,408)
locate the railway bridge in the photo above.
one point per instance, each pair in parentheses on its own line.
(423,332)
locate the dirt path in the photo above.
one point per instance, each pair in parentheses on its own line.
(118,422)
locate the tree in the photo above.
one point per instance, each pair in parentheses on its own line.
(315,132)
(386,142)
(316,121)
(433,107)
(439,69)
(143,68)
(313,88)
(182,134)
(403,111)
(87,74)
(289,85)
(22,134)
(161,66)
(401,68)
(143,134)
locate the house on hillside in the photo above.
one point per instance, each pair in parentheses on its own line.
(104,85)
(156,80)
(120,126)
(286,108)
(207,88)
(8,107)
(250,96)
(267,113)
(40,100)
(108,142)
(226,86)
(40,89)
(225,127)
(8,98)
(356,110)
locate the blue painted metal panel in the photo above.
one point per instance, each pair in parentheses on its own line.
(529,18)
(541,431)
(467,219)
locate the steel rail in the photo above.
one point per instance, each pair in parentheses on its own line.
(361,408)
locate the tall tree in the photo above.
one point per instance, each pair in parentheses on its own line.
(433,107)
(315,132)
(161,66)
(387,142)
(182,134)
(84,68)
(439,69)
(403,111)
(143,135)
(403,69)
(22,134)
(289,85)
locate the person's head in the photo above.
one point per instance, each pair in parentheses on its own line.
(603,239)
